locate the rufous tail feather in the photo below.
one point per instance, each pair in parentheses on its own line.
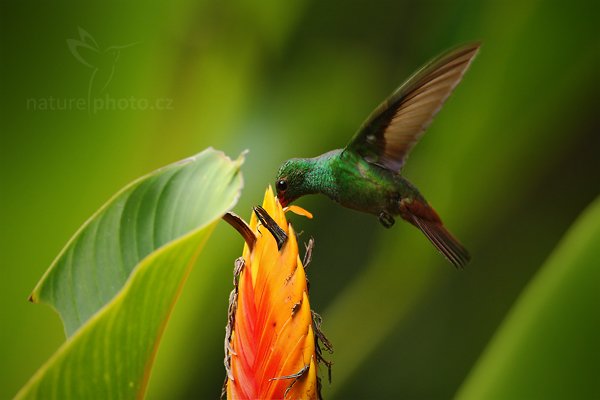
(422,216)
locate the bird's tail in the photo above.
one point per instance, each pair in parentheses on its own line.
(421,215)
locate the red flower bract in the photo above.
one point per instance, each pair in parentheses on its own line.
(271,343)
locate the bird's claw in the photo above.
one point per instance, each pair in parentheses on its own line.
(386,219)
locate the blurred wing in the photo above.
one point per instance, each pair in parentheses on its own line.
(391,131)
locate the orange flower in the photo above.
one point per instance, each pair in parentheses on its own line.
(271,348)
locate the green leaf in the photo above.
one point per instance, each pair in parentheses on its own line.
(142,217)
(116,281)
(548,345)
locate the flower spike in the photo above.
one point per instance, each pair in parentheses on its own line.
(272,342)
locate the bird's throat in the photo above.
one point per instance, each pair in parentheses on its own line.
(320,177)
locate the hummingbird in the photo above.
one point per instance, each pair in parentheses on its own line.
(366,174)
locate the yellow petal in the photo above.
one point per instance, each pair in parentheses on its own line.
(298,211)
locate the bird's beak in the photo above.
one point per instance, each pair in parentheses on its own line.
(282,200)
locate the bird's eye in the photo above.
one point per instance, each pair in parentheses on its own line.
(281,185)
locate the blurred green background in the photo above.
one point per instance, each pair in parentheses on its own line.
(509,163)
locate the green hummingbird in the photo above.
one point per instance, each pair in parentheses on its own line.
(365,175)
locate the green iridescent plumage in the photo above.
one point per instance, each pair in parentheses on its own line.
(365,175)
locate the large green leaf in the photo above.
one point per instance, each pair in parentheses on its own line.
(144,216)
(117,279)
(548,346)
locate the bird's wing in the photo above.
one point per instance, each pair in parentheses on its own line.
(391,131)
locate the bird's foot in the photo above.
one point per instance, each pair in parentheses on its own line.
(386,219)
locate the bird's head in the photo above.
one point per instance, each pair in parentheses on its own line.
(291,182)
